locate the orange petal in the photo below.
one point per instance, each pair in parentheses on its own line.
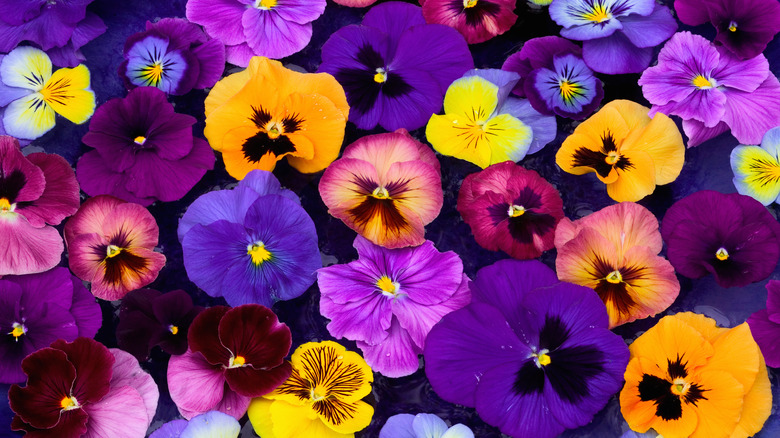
(635,182)
(757,405)
(672,338)
(662,140)
(721,407)
(651,283)
(322,124)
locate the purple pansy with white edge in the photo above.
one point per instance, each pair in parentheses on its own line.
(173,55)
(618,35)
(712,91)
(389,299)
(271,28)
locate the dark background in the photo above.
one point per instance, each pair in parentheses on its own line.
(706,167)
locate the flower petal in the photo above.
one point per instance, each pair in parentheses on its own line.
(195,385)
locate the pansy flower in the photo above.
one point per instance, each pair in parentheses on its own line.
(61,28)
(32,95)
(388,299)
(303,119)
(765,325)
(322,397)
(271,28)
(144,151)
(731,236)
(422,426)
(712,91)
(38,309)
(395,72)
(531,354)
(477,20)
(234,355)
(355,3)
(618,36)
(483,125)
(148,318)
(173,55)
(614,251)
(511,209)
(627,150)
(386,187)
(744,28)
(36,191)
(757,169)
(689,378)
(252,244)
(111,245)
(82,388)
(212,424)
(555,79)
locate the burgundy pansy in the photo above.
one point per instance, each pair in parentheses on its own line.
(234,355)
(149,318)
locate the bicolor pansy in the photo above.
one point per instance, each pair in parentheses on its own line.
(757,168)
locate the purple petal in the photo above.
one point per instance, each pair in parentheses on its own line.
(751,115)
(363,319)
(195,385)
(742,75)
(211,58)
(86,30)
(766,333)
(60,198)
(270,35)
(616,55)
(697,133)
(227,205)
(119,414)
(221,18)
(171,429)
(393,19)
(85,310)
(396,356)
(211,252)
(707,106)
(692,12)
(773,300)
(544,127)
(758,21)
(239,54)
(411,110)
(399,426)
(652,30)
(96,178)
(301,11)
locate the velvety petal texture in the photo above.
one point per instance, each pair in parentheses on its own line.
(250,247)
(389,299)
(386,187)
(270,28)
(233,354)
(395,75)
(688,377)
(532,355)
(765,326)
(111,245)
(615,252)
(143,150)
(731,236)
(629,151)
(511,209)
(477,20)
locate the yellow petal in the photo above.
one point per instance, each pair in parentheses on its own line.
(737,354)
(29,117)
(456,136)
(704,325)
(633,114)
(472,97)
(756,173)
(720,408)
(635,181)
(327,363)
(322,124)
(344,417)
(228,87)
(259,413)
(662,140)
(26,67)
(290,421)
(757,405)
(69,95)
(574,147)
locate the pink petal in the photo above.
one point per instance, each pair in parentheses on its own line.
(127,372)
(239,54)
(11,159)
(60,198)
(25,249)
(751,115)
(120,414)
(134,222)
(195,385)
(90,217)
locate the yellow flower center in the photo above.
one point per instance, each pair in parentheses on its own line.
(380,193)
(387,286)
(237,361)
(515,210)
(274,131)
(599,14)
(112,251)
(614,277)
(612,158)
(69,403)
(318,393)
(733,26)
(259,253)
(381,76)
(153,73)
(469,3)
(265,4)
(542,358)
(680,386)
(701,82)
(6,206)
(18,330)
(173,329)
(140,140)
(722,254)
(568,89)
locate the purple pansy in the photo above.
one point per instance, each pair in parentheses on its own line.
(765,325)
(144,151)
(38,309)
(712,90)
(396,70)
(212,424)
(252,244)
(149,318)
(388,299)
(618,35)
(173,55)
(271,28)
(533,355)
(731,236)
(422,426)
(555,79)
(744,27)
(60,28)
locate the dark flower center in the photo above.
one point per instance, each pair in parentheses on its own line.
(118,259)
(669,394)
(604,159)
(272,135)
(364,85)
(522,216)
(476,11)
(614,281)
(10,186)
(380,203)
(569,370)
